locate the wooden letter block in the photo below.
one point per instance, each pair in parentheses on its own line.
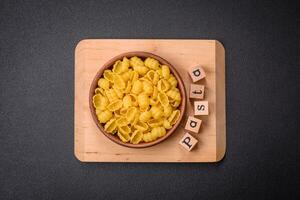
(201,107)
(188,142)
(193,124)
(197,73)
(196,91)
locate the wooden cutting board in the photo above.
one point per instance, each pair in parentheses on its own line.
(90,145)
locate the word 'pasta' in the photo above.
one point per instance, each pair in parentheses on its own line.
(137,100)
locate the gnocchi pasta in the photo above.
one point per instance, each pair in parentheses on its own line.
(137,100)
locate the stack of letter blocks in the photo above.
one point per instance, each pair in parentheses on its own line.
(196,91)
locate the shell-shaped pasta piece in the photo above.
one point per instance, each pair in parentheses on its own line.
(163,85)
(137,87)
(115,105)
(145,116)
(111,95)
(173,81)
(134,76)
(143,101)
(117,68)
(103,83)
(136,118)
(133,99)
(125,64)
(147,87)
(100,101)
(155,122)
(136,61)
(121,121)
(119,82)
(155,93)
(153,77)
(159,71)
(124,130)
(175,104)
(126,75)
(131,113)
(141,69)
(165,71)
(127,101)
(167,124)
(152,63)
(111,126)
(174,117)
(168,110)
(136,137)
(121,66)
(163,99)
(108,75)
(147,137)
(119,92)
(158,132)
(128,87)
(96,100)
(156,112)
(174,94)
(141,126)
(123,137)
(104,116)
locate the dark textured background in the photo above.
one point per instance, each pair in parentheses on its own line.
(37,41)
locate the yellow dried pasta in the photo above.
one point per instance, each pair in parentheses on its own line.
(163,99)
(103,83)
(137,99)
(152,63)
(115,105)
(137,87)
(104,116)
(163,85)
(143,101)
(165,71)
(174,117)
(111,126)
(136,137)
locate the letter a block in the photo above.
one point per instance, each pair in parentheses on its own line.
(196,91)
(188,142)
(197,73)
(201,107)
(193,124)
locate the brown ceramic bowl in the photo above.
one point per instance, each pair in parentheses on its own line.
(109,65)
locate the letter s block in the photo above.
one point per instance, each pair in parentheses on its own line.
(193,124)
(188,142)
(197,73)
(201,108)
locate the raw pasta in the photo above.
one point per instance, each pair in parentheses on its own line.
(137,99)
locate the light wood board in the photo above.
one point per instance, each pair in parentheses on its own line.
(90,145)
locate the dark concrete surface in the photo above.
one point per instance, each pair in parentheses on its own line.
(37,41)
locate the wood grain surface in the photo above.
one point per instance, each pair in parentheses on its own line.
(90,145)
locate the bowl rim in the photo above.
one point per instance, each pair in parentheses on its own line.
(108,65)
